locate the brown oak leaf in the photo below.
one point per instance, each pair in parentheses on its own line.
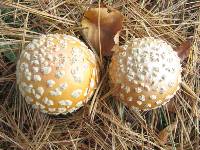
(104,23)
(183,49)
(171,107)
(166,132)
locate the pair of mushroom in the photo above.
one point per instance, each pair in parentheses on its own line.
(57,73)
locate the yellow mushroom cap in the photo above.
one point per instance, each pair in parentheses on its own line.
(57,73)
(147,73)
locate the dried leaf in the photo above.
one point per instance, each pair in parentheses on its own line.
(165,133)
(183,49)
(109,22)
(171,107)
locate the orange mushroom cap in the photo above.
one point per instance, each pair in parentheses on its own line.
(57,73)
(147,72)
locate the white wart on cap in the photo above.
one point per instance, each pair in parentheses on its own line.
(147,72)
(57,73)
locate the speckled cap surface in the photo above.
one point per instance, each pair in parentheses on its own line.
(57,73)
(147,71)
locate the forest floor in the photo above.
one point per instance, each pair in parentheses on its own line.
(103,123)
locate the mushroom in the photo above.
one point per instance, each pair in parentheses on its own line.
(146,72)
(57,73)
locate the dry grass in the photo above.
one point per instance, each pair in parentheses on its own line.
(104,123)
